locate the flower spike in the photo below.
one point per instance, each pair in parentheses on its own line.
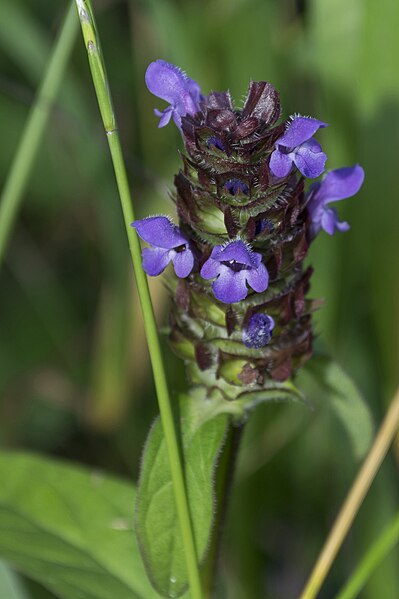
(242,318)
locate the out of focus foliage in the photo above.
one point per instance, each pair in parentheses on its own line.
(74,372)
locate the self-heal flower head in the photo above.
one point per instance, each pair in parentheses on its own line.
(168,244)
(258,331)
(337,185)
(233,265)
(298,147)
(242,176)
(168,82)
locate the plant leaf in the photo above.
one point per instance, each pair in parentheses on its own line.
(71,529)
(323,376)
(10,585)
(156,518)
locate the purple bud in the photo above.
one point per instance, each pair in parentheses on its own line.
(298,147)
(263,226)
(258,331)
(233,266)
(235,186)
(337,185)
(168,82)
(214,141)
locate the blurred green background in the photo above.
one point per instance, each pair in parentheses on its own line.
(74,373)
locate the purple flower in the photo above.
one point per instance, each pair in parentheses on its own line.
(233,266)
(258,331)
(337,185)
(171,84)
(168,244)
(298,147)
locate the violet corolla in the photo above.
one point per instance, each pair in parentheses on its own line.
(168,245)
(233,266)
(298,147)
(337,185)
(168,82)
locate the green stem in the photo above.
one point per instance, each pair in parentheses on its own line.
(24,159)
(374,556)
(104,99)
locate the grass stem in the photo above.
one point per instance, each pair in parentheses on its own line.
(355,497)
(105,103)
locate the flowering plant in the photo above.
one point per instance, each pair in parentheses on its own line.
(241,319)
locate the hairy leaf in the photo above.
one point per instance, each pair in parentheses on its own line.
(156,518)
(71,529)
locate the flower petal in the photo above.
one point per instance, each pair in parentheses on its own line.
(313,145)
(168,82)
(236,250)
(164,117)
(258,278)
(160,232)
(340,184)
(210,269)
(155,260)
(280,163)
(309,163)
(337,185)
(230,286)
(300,130)
(331,223)
(183,262)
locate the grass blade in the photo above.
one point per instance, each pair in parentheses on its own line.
(354,500)
(24,159)
(100,81)
(374,556)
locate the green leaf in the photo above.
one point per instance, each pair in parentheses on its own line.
(326,380)
(70,529)
(10,585)
(156,518)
